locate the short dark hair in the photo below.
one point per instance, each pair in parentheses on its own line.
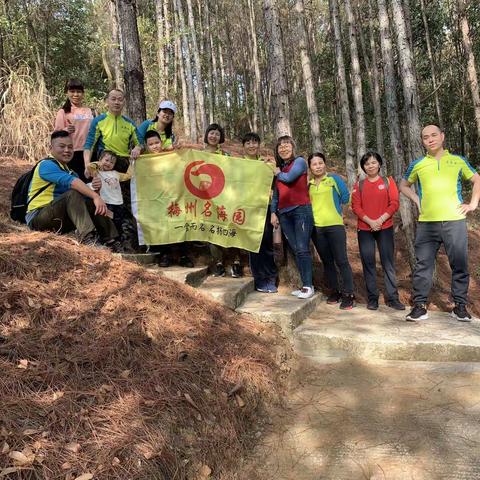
(151,134)
(214,126)
(316,154)
(248,137)
(370,154)
(280,140)
(115,90)
(59,134)
(108,152)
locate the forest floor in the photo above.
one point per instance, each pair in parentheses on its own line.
(93,383)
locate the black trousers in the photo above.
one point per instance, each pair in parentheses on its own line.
(262,264)
(383,239)
(331,244)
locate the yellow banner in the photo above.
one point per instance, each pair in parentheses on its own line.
(188,195)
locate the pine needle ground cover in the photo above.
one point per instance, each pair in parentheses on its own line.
(112,372)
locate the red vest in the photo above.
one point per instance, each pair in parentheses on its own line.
(295,193)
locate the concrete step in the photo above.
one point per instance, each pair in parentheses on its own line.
(384,334)
(231,292)
(142,258)
(191,276)
(285,310)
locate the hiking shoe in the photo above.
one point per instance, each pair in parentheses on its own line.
(419,312)
(164,261)
(115,246)
(307,292)
(296,293)
(396,305)
(219,270)
(372,305)
(348,301)
(460,312)
(237,270)
(91,240)
(334,298)
(185,261)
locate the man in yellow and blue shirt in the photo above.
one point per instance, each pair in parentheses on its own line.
(112,131)
(438,176)
(65,203)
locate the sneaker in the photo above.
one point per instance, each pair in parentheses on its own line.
(271,287)
(372,305)
(460,312)
(334,298)
(348,301)
(115,246)
(261,286)
(219,270)
(237,270)
(307,292)
(164,261)
(296,293)
(90,240)
(419,312)
(396,305)
(185,261)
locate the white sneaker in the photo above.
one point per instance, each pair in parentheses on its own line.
(306,292)
(296,293)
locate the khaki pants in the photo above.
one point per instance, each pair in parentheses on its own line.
(72,211)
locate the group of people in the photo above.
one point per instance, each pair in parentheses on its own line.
(84,186)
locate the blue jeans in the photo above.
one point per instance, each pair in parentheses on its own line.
(297,226)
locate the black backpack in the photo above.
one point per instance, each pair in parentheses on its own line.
(19,199)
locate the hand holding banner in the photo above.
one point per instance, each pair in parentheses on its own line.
(190,195)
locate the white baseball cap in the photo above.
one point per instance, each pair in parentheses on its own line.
(168,104)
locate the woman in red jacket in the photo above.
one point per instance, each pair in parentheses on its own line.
(374,202)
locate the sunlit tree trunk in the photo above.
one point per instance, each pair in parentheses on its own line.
(408,80)
(398,160)
(278,81)
(186,57)
(160,48)
(343,94)
(432,64)
(308,77)
(357,91)
(183,81)
(199,89)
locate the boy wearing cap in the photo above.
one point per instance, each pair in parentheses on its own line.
(162,123)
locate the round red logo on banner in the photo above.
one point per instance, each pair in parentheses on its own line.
(211,179)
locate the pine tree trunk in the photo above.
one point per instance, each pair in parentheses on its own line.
(409,82)
(211,65)
(133,72)
(432,64)
(471,69)
(116,53)
(185,53)
(199,88)
(168,49)
(356,79)
(181,74)
(160,48)
(406,212)
(308,78)
(258,108)
(278,81)
(372,72)
(342,92)
(377,105)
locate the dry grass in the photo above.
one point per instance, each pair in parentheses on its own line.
(111,370)
(26,118)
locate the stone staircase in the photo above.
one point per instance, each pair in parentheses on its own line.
(324,332)
(370,396)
